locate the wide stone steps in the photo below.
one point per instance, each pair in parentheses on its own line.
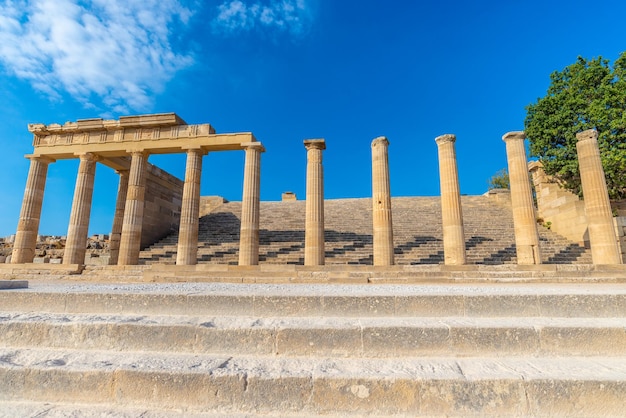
(327,336)
(418,236)
(304,350)
(518,386)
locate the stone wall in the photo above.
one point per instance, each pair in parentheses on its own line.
(566,212)
(563,209)
(500,196)
(163,199)
(209,203)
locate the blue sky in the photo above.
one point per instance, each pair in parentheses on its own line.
(287,70)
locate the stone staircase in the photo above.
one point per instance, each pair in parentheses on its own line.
(348,222)
(208,350)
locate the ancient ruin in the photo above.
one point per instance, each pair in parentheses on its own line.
(125,145)
(450,305)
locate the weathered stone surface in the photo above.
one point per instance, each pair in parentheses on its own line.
(451,212)
(13,284)
(314,250)
(352,350)
(604,244)
(383,254)
(526,235)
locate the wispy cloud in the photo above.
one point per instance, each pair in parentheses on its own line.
(291,16)
(105,53)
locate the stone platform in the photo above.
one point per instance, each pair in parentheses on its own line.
(223,349)
(296,274)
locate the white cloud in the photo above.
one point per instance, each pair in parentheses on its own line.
(113,53)
(292,16)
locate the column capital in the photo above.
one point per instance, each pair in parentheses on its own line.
(515,135)
(442,139)
(123,172)
(253,146)
(138,152)
(588,134)
(315,144)
(381,140)
(40,158)
(194,148)
(88,156)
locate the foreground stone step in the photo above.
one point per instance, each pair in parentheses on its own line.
(10,409)
(587,300)
(337,337)
(577,386)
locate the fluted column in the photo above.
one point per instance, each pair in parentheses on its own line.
(604,245)
(28,225)
(381,204)
(526,235)
(130,242)
(78,229)
(250,205)
(187,253)
(314,225)
(118,218)
(451,212)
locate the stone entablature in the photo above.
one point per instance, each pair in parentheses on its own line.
(135,128)
(113,140)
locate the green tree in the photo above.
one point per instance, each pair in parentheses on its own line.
(500,180)
(587,94)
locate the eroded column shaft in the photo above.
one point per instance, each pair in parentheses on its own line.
(314,226)
(250,205)
(604,245)
(130,242)
(451,212)
(187,253)
(381,204)
(30,215)
(118,218)
(524,220)
(78,229)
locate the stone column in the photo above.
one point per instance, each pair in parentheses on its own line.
(28,226)
(250,204)
(604,245)
(130,242)
(314,251)
(78,229)
(381,200)
(451,212)
(187,253)
(118,218)
(526,235)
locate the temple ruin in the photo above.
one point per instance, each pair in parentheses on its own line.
(151,203)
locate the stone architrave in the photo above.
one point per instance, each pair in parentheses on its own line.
(187,253)
(130,241)
(451,212)
(78,229)
(524,220)
(604,245)
(381,204)
(250,205)
(118,218)
(314,251)
(28,226)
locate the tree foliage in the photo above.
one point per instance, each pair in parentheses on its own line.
(500,180)
(587,94)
